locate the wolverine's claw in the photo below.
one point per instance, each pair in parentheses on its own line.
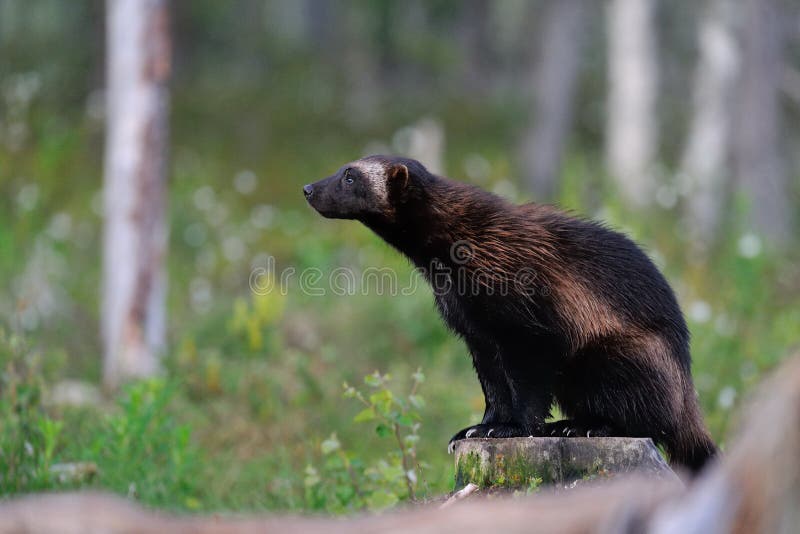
(470,432)
(489,433)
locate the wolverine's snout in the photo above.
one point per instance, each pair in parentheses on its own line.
(318,198)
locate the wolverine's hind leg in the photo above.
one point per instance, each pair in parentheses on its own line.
(576,428)
(645,390)
(631,387)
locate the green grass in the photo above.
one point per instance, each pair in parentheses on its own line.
(252,392)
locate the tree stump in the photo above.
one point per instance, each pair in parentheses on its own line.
(562,463)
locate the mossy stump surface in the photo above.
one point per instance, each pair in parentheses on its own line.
(527,463)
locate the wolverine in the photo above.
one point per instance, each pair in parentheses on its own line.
(554,309)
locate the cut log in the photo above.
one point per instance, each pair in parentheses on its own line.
(527,463)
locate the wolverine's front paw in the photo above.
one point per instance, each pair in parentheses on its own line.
(492,430)
(464,433)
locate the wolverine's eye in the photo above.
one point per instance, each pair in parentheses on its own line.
(347,178)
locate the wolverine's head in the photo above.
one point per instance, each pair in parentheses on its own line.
(369,187)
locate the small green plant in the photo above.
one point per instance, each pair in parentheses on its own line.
(142,452)
(534,486)
(28,436)
(344,482)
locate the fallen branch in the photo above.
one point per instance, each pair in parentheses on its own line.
(460,495)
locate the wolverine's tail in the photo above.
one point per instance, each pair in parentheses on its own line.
(690,446)
(691,451)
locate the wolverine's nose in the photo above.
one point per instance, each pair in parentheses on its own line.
(308,190)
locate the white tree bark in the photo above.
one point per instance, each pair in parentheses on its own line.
(134,278)
(426,144)
(704,164)
(554,83)
(631,134)
(760,169)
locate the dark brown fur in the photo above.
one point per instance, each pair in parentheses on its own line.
(592,325)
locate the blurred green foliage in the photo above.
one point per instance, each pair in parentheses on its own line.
(256,377)
(135,448)
(28,436)
(142,451)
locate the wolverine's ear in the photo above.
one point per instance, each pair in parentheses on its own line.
(398,173)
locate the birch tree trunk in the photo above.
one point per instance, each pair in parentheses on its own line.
(631,134)
(705,164)
(553,83)
(761,173)
(134,278)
